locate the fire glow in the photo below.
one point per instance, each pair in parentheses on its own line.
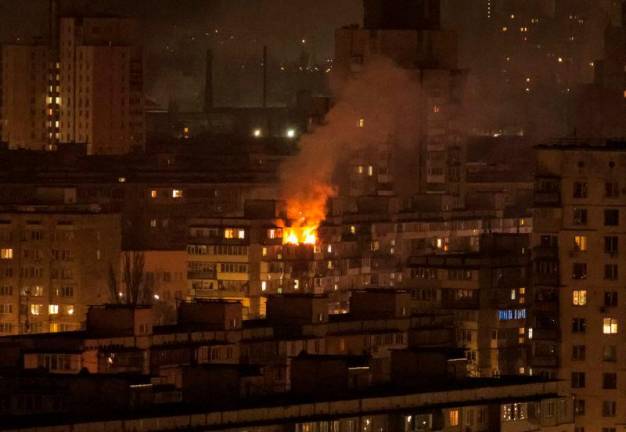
(306,211)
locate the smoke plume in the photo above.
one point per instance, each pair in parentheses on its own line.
(376,110)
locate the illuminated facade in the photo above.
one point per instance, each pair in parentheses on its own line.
(25,96)
(54,263)
(101,85)
(578,245)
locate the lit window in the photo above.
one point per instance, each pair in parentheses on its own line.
(121,179)
(69,309)
(264,251)
(6,253)
(370,170)
(291,133)
(579,297)
(436,109)
(513,294)
(154,194)
(177,193)
(153,223)
(329,248)
(580,242)
(360,169)
(361,122)
(352,229)
(257,133)
(229,233)
(241,234)
(453,417)
(609,326)
(53,309)
(35,309)
(263,285)
(296,284)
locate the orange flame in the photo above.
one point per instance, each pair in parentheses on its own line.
(306,211)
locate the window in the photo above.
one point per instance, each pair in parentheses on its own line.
(177,193)
(609,353)
(610,298)
(53,309)
(65,291)
(579,407)
(611,189)
(609,326)
(6,290)
(611,217)
(579,325)
(610,272)
(609,381)
(579,271)
(578,379)
(580,243)
(580,216)
(6,308)
(579,352)
(6,253)
(609,408)
(610,245)
(579,297)
(241,234)
(229,233)
(154,193)
(453,417)
(580,190)
(35,309)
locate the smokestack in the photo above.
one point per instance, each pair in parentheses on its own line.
(208,82)
(264,102)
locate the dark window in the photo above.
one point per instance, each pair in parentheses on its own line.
(579,407)
(549,241)
(610,298)
(611,217)
(610,272)
(611,189)
(580,216)
(580,190)
(609,381)
(578,379)
(609,408)
(609,353)
(610,245)
(579,271)
(579,325)
(578,352)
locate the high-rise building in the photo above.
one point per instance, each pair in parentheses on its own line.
(25,96)
(578,239)
(410,35)
(101,85)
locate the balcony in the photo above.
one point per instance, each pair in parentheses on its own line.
(545,252)
(547,199)
(545,361)
(545,334)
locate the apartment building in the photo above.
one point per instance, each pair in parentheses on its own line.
(410,34)
(487,293)
(578,241)
(25,104)
(54,263)
(137,367)
(101,84)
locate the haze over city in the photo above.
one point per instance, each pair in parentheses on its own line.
(312,216)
